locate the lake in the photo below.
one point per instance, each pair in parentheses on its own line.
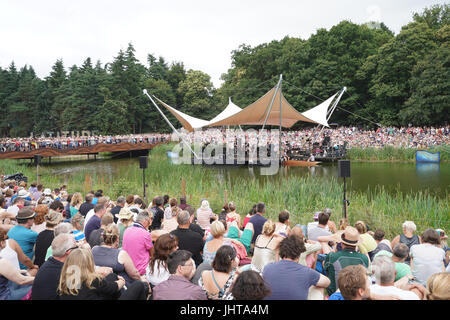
(407,178)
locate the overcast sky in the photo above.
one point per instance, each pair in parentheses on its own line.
(199,33)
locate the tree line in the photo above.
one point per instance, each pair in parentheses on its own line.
(391,79)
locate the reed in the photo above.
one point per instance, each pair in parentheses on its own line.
(300,196)
(394,154)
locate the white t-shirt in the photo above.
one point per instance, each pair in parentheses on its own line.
(427,259)
(89,215)
(391,290)
(168,213)
(13,209)
(316,232)
(314,224)
(159,274)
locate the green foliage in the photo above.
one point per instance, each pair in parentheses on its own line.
(197,92)
(300,196)
(390,79)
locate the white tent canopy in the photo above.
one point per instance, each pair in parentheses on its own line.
(229,111)
(190,123)
(319,113)
(265,110)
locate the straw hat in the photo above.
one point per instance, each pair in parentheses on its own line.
(53,217)
(25,213)
(125,213)
(23,193)
(350,236)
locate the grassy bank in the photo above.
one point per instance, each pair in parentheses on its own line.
(394,154)
(301,196)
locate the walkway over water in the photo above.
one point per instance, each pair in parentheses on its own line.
(85,150)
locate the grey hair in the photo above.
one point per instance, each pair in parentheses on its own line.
(384,269)
(61,244)
(121,199)
(142,216)
(183,218)
(409,226)
(401,250)
(64,227)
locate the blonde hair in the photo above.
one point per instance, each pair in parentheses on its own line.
(361,227)
(110,234)
(343,223)
(268,228)
(77,221)
(217,229)
(78,269)
(77,198)
(437,286)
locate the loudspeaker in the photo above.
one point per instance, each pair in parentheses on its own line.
(344,168)
(37,159)
(143,162)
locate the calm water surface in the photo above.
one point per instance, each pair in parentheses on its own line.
(407,178)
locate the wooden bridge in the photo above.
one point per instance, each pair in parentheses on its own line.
(85,150)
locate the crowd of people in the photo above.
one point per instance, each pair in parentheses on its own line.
(332,139)
(315,140)
(70,142)
(58,245)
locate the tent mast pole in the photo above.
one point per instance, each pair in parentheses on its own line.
(167,120)
(271,103)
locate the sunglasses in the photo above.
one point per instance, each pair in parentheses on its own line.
(73,248)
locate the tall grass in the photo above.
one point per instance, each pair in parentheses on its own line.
(394,154)
(301,196)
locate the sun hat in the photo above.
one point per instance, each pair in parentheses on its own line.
(442,234)
(350,236)
(23,193)
(47,200)
(53,217)
(47,192)
(25,213)
(125,213)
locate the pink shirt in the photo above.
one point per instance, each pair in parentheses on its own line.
(137,242)
(203,217)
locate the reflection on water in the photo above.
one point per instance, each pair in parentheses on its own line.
(428,169)
(404,177)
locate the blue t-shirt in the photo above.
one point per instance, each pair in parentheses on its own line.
(258,221)
(94,201)
(289,280)
(94,223)
(336,296)
(26,239)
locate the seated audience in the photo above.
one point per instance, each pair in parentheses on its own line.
(178,286)
(289,280)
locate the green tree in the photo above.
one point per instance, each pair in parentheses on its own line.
(9,83)
(114,118)
(197,90)
(389,72)
(429,102)
(435,17)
